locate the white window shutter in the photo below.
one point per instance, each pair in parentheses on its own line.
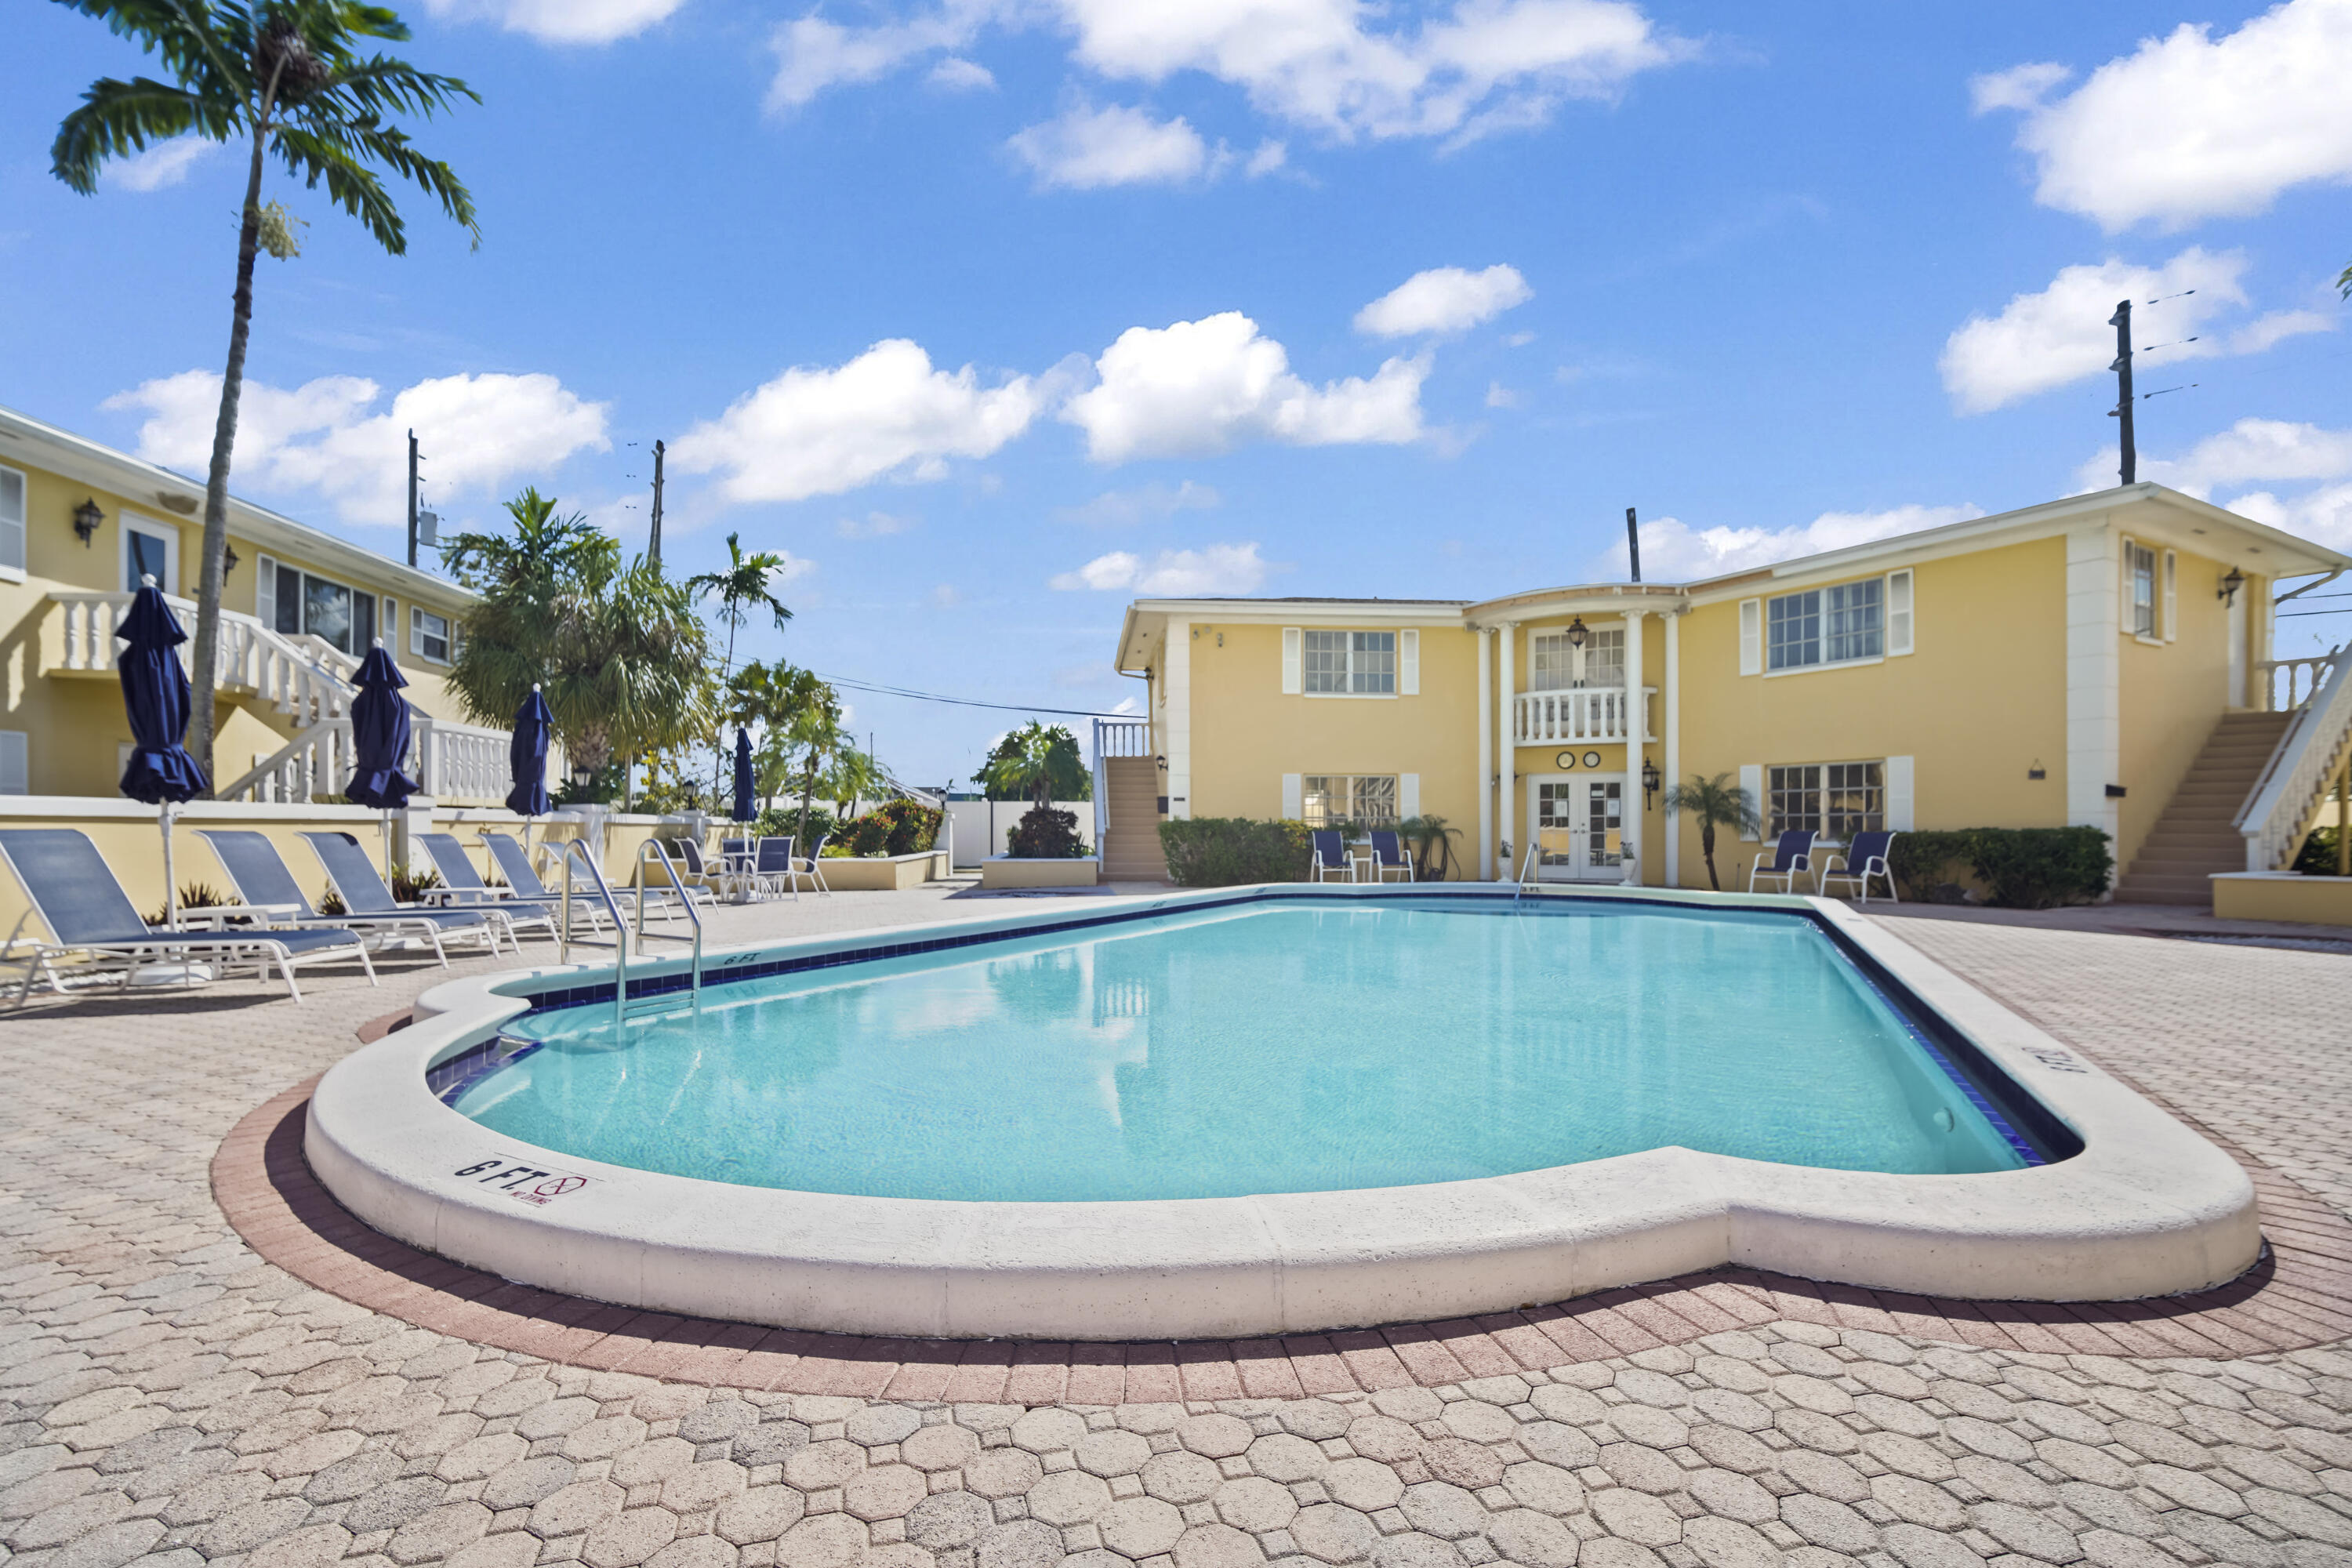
(2171,596)
(12,519)
(1293,800)
(1290,643)
(1408,795)
(1409,670)
(15,763)
(264,593)
(1898,794)
(1751,779)
(1751,636)
(1898,613)
(2123,586)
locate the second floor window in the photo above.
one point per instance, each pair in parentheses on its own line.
(2140,611)
(1556,665)
(428,634)
(12,519)
(1826,625)
(1356,663)
(301,604)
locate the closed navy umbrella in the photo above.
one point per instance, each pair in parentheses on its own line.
(156,694)
(745,808)
(527,757)
(379,741)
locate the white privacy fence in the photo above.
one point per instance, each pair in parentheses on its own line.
(982,825)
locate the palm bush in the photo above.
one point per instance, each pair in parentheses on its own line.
(1038,762)
(1716,802)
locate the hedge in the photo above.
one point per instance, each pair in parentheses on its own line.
(1045,834)
(2021,868)
(1231,851)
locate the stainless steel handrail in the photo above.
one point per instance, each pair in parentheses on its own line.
(620,928)
(653,848)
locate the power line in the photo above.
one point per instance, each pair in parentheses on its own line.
(966,701)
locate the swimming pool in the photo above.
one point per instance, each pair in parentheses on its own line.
(1269,1110)
(1313,1045)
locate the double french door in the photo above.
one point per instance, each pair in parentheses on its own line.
(1577,823)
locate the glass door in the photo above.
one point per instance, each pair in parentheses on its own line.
(1576,823)
(1601,823)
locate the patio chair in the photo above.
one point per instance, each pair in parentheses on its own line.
(1331,859)
(809,867)
(260,875)
(740,856)
(773,868)
(1864,857)
(465,889)
(77,895)
(1793,855)
(712,875)
(356,881)
(1389,854)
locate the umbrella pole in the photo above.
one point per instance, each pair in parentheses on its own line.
(387,846)
(170,881)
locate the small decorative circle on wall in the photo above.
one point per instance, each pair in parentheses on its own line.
(1565,760)
(1591,759)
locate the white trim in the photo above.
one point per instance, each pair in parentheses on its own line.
(416,612)
(1751,636)
(1505,716)
(1751,779)
(1485,754)
(1897,779)
(1825,664)
(130,522)
(22,524)
(2094,660)
(1633,804)
(16,761)
(1293,640)
(1408,667)
(1294,797)
(1408,796)
(1673,744)
(264,592)
(1901,632)
(2168,600)
(1177,678)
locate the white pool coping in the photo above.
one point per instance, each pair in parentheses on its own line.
(2148,1208)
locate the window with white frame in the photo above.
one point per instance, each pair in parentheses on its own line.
(2139,589)
(428,634)
(1555,664)
(1370,799)
(1355,664)
(1836,800)
(299,604)
(12,520)
(1837,624)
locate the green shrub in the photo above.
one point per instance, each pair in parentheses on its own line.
(2317,859)
(1232,851)
(914,826)
(2019,867)
(1045,834)
(868,835)
(784,822)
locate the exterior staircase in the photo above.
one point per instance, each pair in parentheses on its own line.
(2197,836)
(1131,846)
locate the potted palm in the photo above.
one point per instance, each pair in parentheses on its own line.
(1716,802)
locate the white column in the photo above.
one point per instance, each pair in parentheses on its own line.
(1637,729)
(1178,673)
(1486,756)
(2094,667)
(1508,768)
(1673,699)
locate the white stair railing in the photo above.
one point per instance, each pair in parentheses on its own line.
(2285,799)
(457,765)
(251,656)
(316,762)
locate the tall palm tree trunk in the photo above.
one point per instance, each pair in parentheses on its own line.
(210,569)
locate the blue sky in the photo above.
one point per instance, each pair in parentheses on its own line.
(996,313)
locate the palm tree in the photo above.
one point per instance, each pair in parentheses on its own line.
(1716,802)
(1039,761)
(798,714)
(288,75)
(743,588)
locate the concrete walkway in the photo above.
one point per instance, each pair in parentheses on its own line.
(170,1395)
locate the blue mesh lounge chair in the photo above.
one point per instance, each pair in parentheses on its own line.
(1331,857)
(809,867)
(774,866)
(514,865)
(468,890)
(260,875)
(1860,860)
(77,896)
(1792,858)
(365,896)
(1389,854)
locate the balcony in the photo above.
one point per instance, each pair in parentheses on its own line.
(1594,713)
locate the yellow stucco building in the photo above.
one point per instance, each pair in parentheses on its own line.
(81,524)
(2101,660)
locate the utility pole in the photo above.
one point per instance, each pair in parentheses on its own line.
(2121,411)
(1634,543)
(412,498)
(654,545)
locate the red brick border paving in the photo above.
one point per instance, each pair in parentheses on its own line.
(2299,1295)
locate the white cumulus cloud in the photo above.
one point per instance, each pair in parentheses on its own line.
(1088,148)
(957,74)
(2265,452)
(1673,550)
(1325,65)
(2061,334)
(2191,126)
(1443,299)
(814,431)
(1218,569)
(162,166)
(478,434)
(561,21)
(1203,386)
(1125,509)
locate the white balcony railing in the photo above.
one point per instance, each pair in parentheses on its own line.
(280,670)
(457,765)
(2283,685)
(1579,714)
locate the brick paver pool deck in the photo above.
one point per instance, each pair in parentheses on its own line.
(174,1394)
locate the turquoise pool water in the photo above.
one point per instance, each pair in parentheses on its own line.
(1292,1045)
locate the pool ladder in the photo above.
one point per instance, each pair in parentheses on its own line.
(626,1012)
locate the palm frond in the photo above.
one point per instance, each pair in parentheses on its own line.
(120,118)
(350,185)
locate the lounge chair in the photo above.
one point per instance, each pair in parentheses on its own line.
(260,875)
(466,889)
(1864,857)
(773,868)
(78,897)
(1331,858)
(809,867)
(363,893)
(1793,857)
(1389,854)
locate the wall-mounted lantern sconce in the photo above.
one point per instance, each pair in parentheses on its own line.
(228,561)
(1578,634)
(2228,592)
(1650,779)
(86,519)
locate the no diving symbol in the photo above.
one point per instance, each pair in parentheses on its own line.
(553,1187)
